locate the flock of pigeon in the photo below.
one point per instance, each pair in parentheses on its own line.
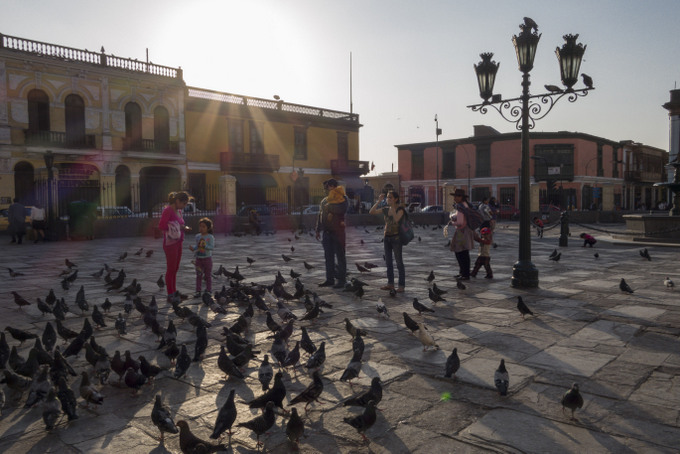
(47,374)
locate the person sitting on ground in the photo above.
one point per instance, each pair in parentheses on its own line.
(588,240)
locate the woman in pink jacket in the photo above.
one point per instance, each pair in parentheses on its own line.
(172,224)
(463,237)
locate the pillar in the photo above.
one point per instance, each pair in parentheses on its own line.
(607,197)
(227,196)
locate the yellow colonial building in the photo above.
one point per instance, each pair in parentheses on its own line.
(122,132)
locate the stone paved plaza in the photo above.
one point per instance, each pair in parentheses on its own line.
(622,349)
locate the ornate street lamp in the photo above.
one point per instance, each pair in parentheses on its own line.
(524,111)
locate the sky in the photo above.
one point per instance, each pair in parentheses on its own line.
(411,60)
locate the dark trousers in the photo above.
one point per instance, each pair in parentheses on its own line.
(334,246)
(16,237)
(463,258)
(393,245)
(485,262)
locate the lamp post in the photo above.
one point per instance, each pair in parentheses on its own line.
(524,111)
(437,133)
(49,162)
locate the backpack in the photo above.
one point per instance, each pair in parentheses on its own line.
(473,217)
(406,233)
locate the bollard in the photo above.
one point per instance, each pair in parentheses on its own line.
(564,229)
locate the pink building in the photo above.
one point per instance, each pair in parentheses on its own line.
(570,170)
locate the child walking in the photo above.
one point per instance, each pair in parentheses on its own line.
(204,244)
(588,240)
(484,257)
(539,226)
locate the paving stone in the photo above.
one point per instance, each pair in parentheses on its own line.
(569,360)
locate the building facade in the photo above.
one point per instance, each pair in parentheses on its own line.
(570,170)
(121,132)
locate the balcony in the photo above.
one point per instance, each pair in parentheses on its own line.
(248,162)
(150,145)
(349,167)
(57,139)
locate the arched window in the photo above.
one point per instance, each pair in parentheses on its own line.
(133,126)
(38,111)
(75,121)
(161,128)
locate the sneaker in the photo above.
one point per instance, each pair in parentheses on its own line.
(400,290)
(326,284)
(387,287)
(339,285)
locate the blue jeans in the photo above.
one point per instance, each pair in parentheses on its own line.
(393,245)
(334,246)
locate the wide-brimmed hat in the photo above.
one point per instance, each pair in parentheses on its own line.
(458,192)
(331,182)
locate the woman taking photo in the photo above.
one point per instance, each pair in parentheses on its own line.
(172,224)
(393,214)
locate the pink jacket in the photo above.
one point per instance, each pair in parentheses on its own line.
(170,215)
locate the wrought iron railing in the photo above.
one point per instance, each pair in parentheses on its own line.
(58,139)
(171,146)
(262,103)
(86,56)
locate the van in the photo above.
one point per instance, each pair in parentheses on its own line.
(114,212)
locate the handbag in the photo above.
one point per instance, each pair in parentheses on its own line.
(174,230)
(406,233)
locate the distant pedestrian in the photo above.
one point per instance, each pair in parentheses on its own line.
(463,237)
(172,224)
(393,214)
(484,239)
(588,240)
(495,208)
(538,224)
(330,227)
(485,210)
(254,221)
(203,247)
(16,218)
(38,221)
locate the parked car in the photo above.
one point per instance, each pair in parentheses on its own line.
(114,212)
(277,209)
(508,212)
(262,210)
(413,207)
(432,209)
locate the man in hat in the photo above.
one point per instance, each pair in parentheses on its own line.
(331,224)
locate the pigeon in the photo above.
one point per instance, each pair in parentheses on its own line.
(523,308)
(225,417)
(596,255)
(286,258)
(353,369)
(227,366)
(572,400)
(430,277)
(148,370)
(250,261)
(40,387)
(14,274)
(262,423)
(553,254)
(122,256)
(353,330)
(362,269)
(364,421)
(271,324)
(139,251)
(201,342)
(20,301)
(130,362)
(51,410)
(420,307)
(501,379)
(183,362)
(16,382)
(67,398)
(452,364)
(20,334)
(556,258)
(292,358)
(587,80)
(381,308)
(241,361)
(624,287)
(64,332)
(425,338)
(121,325)
(668,282)
(317,359)
(106,305)
(295,428)
(436,290)
(373,394)
(553,88)
(358,346)
(160,282)
(410,323)
(118,365)
(434,297)
(149,253)
(190,443)
(161,418)
(530,24)
(307,266)
(89,392)
(49,338)
(460,285)
(306,342)
(276,394)
(97,317)
(43,307)
(644,253)
(265,373)
(134,380)
(311,393)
